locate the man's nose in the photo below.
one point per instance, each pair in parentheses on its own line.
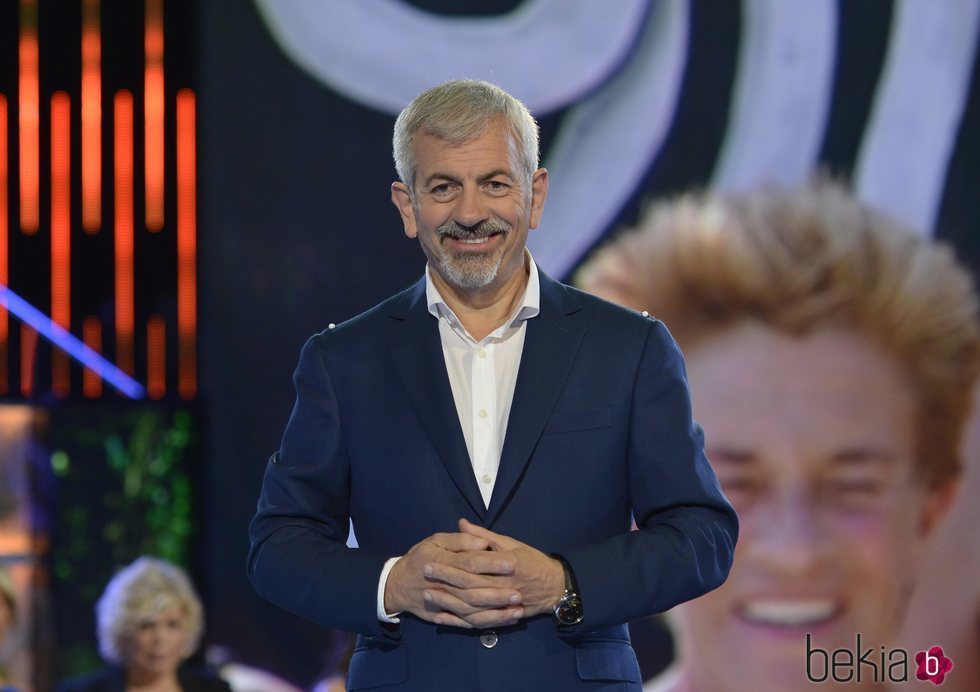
(788,537)
(471,209)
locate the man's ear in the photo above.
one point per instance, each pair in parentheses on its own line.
(402,199)
(539,191)
(937,503)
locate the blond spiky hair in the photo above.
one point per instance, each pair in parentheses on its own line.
(803,259)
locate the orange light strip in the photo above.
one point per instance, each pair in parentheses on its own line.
(91,117)
(28,345)
(156,357)
(153,104)
(92,336)
(4,257)
(123,194)
(186,244)
(28,116)
(60,233)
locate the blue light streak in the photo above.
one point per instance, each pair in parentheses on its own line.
(68,343)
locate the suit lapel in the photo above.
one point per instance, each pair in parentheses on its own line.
(421,365)
(550,346)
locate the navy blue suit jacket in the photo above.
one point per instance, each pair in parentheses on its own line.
(600,427)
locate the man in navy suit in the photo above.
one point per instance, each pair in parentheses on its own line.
(491,433)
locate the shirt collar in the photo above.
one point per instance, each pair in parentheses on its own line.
(529,307)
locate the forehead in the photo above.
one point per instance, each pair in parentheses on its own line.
(495,147)
(819,396)
(162,609)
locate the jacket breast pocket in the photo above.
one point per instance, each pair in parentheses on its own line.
(376,665)
(586,419)
(607,660)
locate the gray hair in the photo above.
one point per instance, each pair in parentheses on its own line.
(142,591)
(458,111)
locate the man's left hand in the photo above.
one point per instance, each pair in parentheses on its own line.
(540,579)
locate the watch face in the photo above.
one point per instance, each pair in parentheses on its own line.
(569,609)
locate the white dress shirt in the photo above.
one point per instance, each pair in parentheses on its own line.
(482,375)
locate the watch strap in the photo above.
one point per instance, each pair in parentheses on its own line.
(570,585)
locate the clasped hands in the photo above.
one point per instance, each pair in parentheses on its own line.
(473,579)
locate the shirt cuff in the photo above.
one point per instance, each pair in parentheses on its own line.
(384,616)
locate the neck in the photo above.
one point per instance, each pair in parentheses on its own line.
(149,682)
(483,310)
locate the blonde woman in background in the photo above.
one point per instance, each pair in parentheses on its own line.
(149,621)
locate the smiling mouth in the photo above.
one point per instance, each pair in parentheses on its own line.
(790,613)
(477,234)
(474,241)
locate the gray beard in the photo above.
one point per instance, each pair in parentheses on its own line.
(471,270)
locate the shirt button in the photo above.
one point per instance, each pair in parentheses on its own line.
(489,639)
(482,353)
(483,413)
(487,478)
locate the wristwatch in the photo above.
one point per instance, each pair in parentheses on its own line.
(568,609)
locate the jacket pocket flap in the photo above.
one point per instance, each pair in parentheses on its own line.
(377,666)
(609,660)
(567,421)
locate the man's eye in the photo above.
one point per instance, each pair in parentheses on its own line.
(442,191)
(854,494)
(497,187)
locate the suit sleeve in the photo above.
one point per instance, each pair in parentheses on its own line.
(299,559)
(687,529)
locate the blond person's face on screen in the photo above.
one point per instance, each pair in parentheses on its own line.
(157,645)
(812,440)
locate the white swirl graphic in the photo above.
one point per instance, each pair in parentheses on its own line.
(382,53)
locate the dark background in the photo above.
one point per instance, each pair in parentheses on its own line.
(295,228)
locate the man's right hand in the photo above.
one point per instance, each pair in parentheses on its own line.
(410,584)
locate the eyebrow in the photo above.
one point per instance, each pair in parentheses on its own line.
(864,455)
(482,179)
(493,174)
(440,176)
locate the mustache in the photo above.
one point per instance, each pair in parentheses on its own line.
(484,229)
